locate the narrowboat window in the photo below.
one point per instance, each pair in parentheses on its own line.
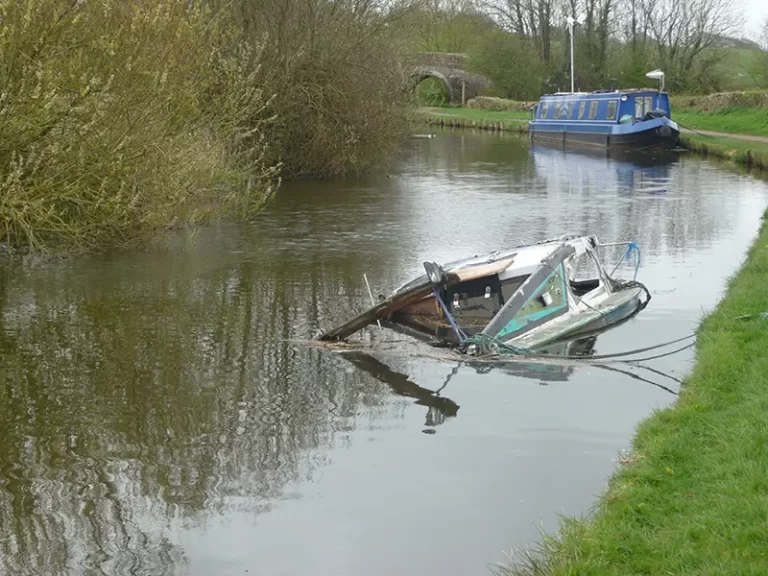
(566,111)
(611,110)
(557,111)
(582,109)
(648,104)
(592,110)
(544,110)
(639,107)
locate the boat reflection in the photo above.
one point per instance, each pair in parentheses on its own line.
(439,407)
(638,173)
(543,371)
(566,359)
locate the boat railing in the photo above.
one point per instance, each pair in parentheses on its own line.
(626,254)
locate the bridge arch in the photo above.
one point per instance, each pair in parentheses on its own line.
(422,73)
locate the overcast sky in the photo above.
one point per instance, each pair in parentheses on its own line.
(755,12)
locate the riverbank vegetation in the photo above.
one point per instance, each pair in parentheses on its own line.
(692,497)
(733,120)
(339,101)
(118,119)
(472,114)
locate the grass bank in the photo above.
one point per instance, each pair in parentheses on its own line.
(694,497)
(747,153)
(508,120)
(752,121)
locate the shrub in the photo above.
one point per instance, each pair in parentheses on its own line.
(721,101)
(498,104)
(340,102)
(119,118)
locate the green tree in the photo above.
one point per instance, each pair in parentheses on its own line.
(511,63)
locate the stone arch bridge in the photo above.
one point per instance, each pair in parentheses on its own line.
(449,68)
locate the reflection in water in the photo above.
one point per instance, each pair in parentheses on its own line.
(439,408)
(149,400)
(128,402)
(640,174)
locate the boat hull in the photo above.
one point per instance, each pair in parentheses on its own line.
(620,307)
(651,135)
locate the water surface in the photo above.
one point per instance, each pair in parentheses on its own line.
(160,417)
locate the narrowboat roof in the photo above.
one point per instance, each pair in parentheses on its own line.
(603,93)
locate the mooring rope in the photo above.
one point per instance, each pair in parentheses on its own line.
(503,349)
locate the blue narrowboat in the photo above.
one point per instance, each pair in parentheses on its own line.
(620,120)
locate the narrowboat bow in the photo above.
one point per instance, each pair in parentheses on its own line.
(525,297)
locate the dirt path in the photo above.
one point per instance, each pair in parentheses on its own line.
(763,139)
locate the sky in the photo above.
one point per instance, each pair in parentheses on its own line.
(755,12)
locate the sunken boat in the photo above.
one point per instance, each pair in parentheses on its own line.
(526,298)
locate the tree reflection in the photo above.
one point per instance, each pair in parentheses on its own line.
(128,401)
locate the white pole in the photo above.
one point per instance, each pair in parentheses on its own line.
(370,295)
(570,28)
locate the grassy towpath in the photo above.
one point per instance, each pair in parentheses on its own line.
(694,497)
(746,122)
(748,137)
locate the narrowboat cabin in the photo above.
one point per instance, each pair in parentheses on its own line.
(620,120)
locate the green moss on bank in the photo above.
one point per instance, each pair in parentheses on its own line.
(694,499)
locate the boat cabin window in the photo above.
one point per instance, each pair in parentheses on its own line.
(557,111)
(582,109)
(567,110)
(549,298)
(611,110)
(592,110)
(643,106)
(544,110)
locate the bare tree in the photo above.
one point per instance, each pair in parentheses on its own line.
(529,18)
(681,30)
(764,35)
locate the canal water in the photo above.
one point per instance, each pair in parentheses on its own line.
(159,413)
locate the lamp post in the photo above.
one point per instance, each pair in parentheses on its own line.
(571,23)
(657,75)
